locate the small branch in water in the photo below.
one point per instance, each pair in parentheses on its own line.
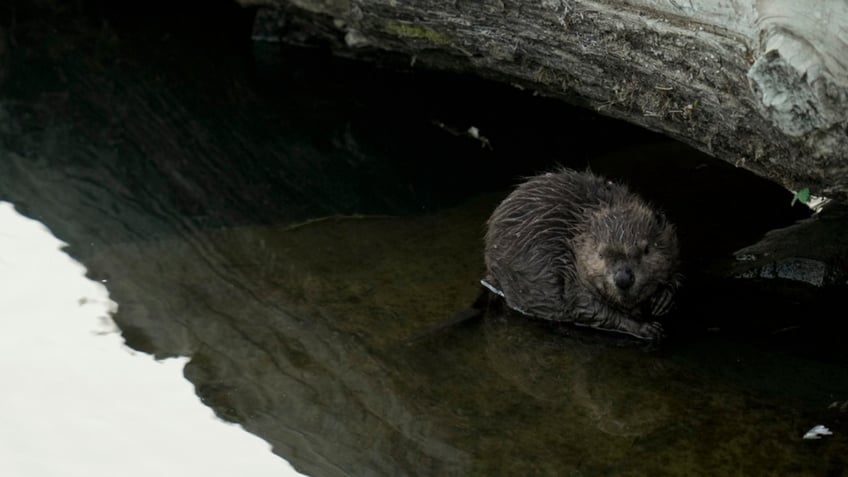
(471,132)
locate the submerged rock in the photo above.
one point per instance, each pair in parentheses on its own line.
(812,252)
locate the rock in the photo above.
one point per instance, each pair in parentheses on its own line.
(810,252)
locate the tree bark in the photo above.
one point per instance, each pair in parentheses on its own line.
(762,84)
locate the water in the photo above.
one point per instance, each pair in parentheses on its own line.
(80,403)
(306,231)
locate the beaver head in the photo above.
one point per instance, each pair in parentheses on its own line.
(624,252)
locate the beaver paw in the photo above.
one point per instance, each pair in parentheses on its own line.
(650,331)
(662,302)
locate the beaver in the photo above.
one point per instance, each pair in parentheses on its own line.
(573,246)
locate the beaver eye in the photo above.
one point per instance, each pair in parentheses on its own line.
(650,246)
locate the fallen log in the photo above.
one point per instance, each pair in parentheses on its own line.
(762,84)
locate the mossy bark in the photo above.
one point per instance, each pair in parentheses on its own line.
(762,84)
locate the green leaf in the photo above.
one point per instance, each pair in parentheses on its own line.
(802,195)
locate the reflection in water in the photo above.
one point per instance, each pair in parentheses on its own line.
(294,331)
(176,177)
(75,401)
(612,383)
(302,334)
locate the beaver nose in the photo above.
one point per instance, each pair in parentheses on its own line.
(623,278)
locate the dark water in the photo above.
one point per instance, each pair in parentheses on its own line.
(305,228)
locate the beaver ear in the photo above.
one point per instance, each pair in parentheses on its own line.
(660,217)
(601,190)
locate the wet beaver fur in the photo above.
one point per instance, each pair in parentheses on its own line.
(573,246)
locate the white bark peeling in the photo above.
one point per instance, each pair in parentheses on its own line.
(801,76)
